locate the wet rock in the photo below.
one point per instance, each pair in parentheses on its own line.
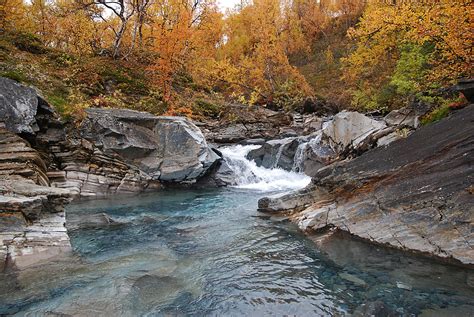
(275,153)
(91,221)
(353,279)
(412,194)
(169,149)
(218,176)
(376,309)
(315,154)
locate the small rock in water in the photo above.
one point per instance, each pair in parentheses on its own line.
(404,286)
(352,278)
(377,308)
(152,290)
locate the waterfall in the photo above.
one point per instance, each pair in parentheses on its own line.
(249,175)
(282,143)
(299,158)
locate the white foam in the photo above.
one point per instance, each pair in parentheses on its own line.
(251,176)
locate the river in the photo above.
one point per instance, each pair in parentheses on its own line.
(210,253)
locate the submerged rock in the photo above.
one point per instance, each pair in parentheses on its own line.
(414,194)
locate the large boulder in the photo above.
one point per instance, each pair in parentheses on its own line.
(275,153)
(313,155)
(414,194)
(18,105)
(349,131)
(169,149)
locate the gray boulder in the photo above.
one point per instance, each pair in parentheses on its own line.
(218,176)
(276,153)
(313,155)
(403,117)
(170,149)
(18,106)
(349,131)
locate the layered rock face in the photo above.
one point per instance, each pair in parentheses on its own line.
(31,213)
(415,194)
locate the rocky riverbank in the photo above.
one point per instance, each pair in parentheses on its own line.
(44,164)
(375,177)
(415,194)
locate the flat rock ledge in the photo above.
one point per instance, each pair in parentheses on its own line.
(416,194)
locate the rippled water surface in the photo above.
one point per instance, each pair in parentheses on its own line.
(206,253)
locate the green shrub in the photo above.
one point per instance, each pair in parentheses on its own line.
(206,108)
(411,68)
(64,59)
(287,96)
(59,103)
(15,75)
(125,82)
(436,115)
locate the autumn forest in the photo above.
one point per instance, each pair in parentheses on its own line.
(188,57)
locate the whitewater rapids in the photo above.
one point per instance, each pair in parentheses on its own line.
(251,176)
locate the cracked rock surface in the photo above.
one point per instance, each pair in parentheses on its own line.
(169,149)
(415,194)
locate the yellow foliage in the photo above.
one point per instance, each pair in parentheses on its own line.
(447,24)
(13,15)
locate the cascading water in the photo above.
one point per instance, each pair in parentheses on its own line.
(299,157)
(283,143)
(251,176)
